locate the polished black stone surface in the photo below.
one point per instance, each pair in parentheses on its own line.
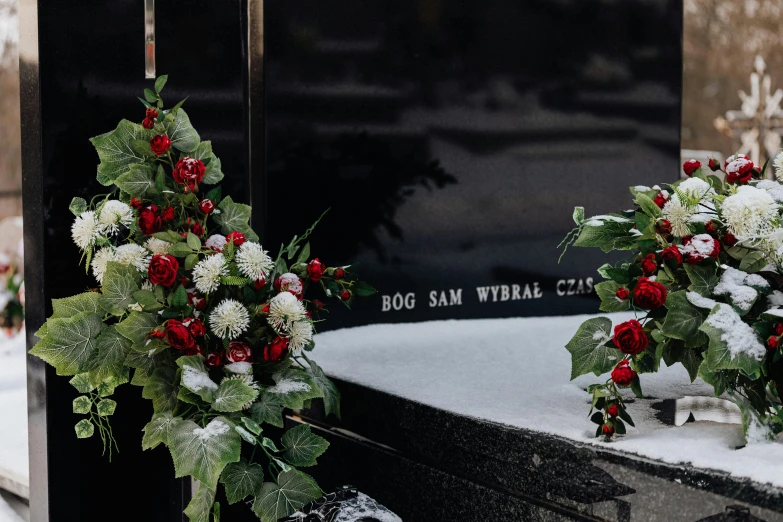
(453,138)
(89,70)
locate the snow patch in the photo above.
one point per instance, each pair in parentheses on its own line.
(598,221)
(241,368)
(289,386)
(196,380)
(732,284)
(214,429)
(700,301)
(739,336)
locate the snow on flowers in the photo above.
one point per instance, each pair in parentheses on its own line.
(704,275)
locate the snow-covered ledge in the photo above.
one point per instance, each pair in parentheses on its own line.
(14,470)
(516,372)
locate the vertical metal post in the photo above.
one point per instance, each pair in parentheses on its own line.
(149,39)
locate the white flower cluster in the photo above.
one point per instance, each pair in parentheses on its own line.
(89,227)
(288,317)
(229,319)
(207,273)
(253,261)
(696,207)
(129,254)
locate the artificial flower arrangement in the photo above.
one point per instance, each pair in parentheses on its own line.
(704,277)
(11,296)
(193,310)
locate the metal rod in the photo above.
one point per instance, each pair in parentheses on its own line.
(149,39)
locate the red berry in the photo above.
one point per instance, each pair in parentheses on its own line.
(690,166)
(345,295)
(613,410)
(660,200)
(167,214)
(206,206)
(214,359)
(339,273)
(710,227)
(238,238)
(135,202)
(608,430)
(151,113)
(664,227)
(729,239)
(623,293)
(318,305)
(714,165)
(148,123)
(779,329)
(773,342)
(260,282)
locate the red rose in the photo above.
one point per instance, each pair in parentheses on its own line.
(206,206)
(238,238)
(608,430)
(197,229)
(345,295)
(239,351)
(673,253)
(622,293)
(160,144)
(289,282)
(276,350)
(623,374)
(714,165)
(779,329)
(214,359)
(649,294)
(264,309)
(167,214)
(612,410)
(339,273)
(148,123)
(197,328)
(734,157)
(151,113)
(177,335)
(690,166)
(729,239)
(197,302)
(739,171)
(135,202)
(163,270)
(664,227)
(773,343)
(629,337)
(710,227)
(150,221)
(196,349)
(189,171)
(259,283)
(660,199)
(649,265)
(316,269)
(700,247)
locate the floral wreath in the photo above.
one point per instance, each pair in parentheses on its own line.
(704,279)
(193,310)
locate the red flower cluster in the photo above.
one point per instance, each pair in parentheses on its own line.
(149,119)
(276,350)
(649,264)
(739,169)
(316,270)
(630,337)
(623,374)
(672,253)
(150,220)
(160,144)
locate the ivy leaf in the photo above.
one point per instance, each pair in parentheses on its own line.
(157,430)
(70,306)
(235,217)
(119,283)
(106,407)
(242,480)
(302,447)
(108,360)
(703,278)
(331,395)
(292,490)
(607,291)
(115,150)
(292,388)
(137,326)
(196,378)
(183,136)
(720,357)
(214,172)
(588,353)
(161,390)
(691,360)
(200,505)
(203,452)
(82,405)
(137,181)
(683,319)
(232,395)
(82,383)
(77,206)
(267,409)
(84,429)
(607,235)
(70,342)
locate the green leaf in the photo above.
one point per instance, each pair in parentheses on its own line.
(588,353)
(636,387)
(719,356)
(331,395)
(579,215)
(203,452)
(648,206)
(691,360)
(193,241)
(607,291)
(235,217)
(214,172)
(195,377)
(703,278)
(302,447)
(119,283)
(161,390)
(269,444)
(180,297)
(252,425)
(292,388)
(242,480)
(157,430)
(106,407)
(77,206)
(84,429)
(232,395)
(150,96)
(108,360)
(753,262)
(608,235)
(292,490)
(200,505)
(70,342)
(267,409)
(183,136)
(138,180)
(160,82)
(169,236)
(137,327)
(82,383)
(214,195)
(70,306)
(180,250)
(82,404)
(361,288)
(683,319)
(190,261)
(304,255)
(115,150)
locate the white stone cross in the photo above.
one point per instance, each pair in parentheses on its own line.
(760,120)
(149,39)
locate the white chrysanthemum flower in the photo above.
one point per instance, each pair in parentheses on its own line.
(115,214)
(285,310)
(679,216)
(216,242)
(207,273)
(750,214)
(300,336)
(157,246)
(229,319)
(100,260)
(85,229)
(133,255)
(253,261)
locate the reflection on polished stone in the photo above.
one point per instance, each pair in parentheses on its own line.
(690,409)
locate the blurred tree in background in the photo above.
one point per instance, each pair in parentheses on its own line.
(10,147)
(721,40)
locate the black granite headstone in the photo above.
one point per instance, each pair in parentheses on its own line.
(82,66)
(453,138)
